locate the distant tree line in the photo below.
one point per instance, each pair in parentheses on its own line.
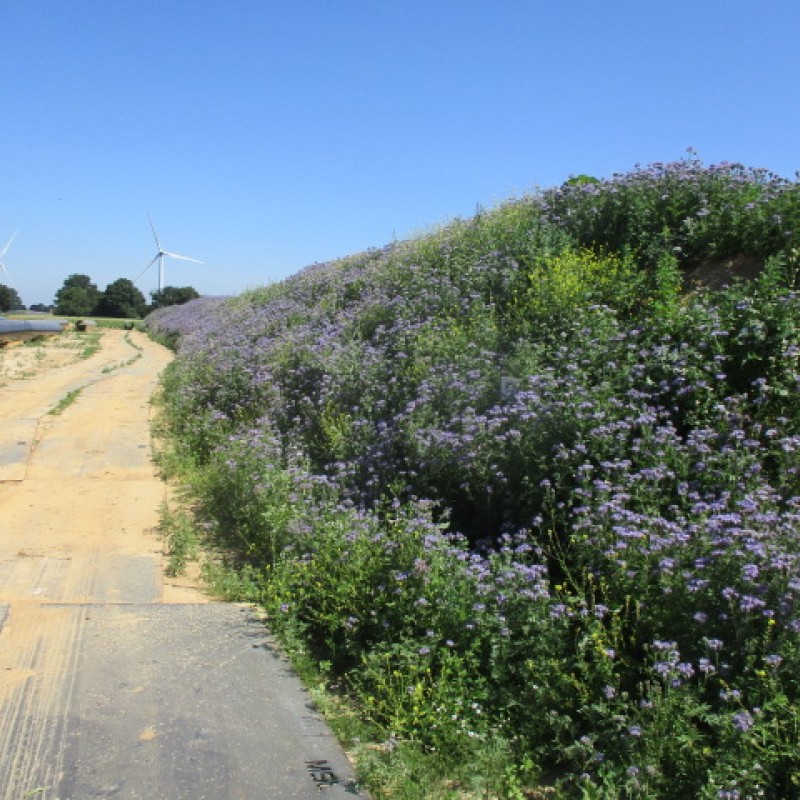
(79,297)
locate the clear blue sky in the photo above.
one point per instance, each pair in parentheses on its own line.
(263,136)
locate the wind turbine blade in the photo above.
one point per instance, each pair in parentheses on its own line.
(146,268)
(155,235)
(5,249)
(182,258)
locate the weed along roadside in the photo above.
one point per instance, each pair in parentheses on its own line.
(117,679)
(66,401)
(521,496)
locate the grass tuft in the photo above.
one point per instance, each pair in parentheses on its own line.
(65,402)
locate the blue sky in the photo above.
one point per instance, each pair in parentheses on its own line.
(263,136)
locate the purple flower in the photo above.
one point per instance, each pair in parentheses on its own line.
(686,670)
(663,668)
(662,645)
(743,721)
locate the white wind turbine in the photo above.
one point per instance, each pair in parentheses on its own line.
(3,270)
(159,256)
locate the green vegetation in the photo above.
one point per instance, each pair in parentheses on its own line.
(80,297)
(9,298)
(178,529)
(77,297)
(121,299)
(91,344)
(131,360)
(122,364)
(522,495)
(133,344)
(172,296)
(37,343)
(65,402)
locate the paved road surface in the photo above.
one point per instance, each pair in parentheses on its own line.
(115,682)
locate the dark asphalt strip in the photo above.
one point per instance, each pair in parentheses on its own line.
(191,702)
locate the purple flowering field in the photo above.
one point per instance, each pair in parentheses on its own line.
(527,488)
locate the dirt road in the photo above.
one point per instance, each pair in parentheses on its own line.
(114,681)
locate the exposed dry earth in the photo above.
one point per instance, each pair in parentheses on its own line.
(26,360)
(115,682)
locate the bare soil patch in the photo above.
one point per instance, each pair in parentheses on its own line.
(79,493)
(718,274)
(26,360)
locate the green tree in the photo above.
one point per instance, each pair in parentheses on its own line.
(9,299)
(122,299)
(173,296)
(78,297)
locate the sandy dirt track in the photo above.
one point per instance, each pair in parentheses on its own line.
(92,635)
(79,502)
